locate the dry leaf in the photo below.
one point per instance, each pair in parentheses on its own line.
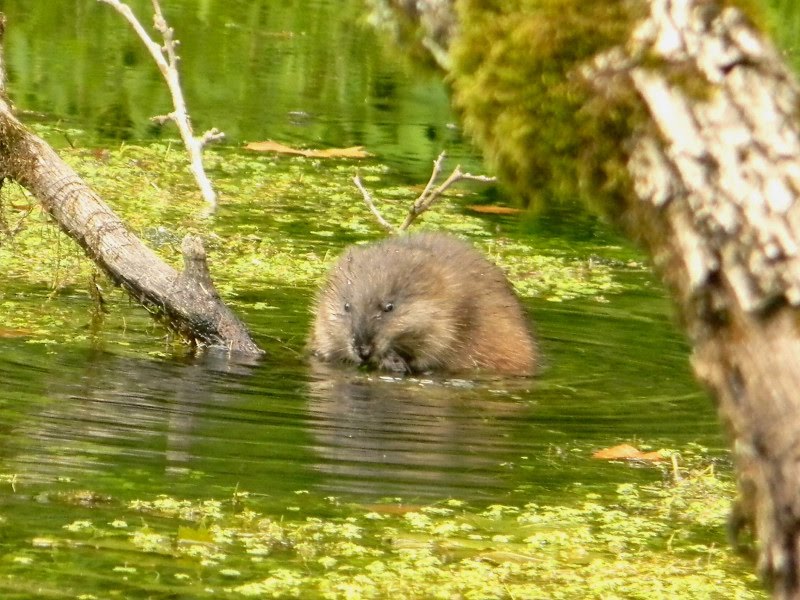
(351,152)
(654,456)
(11,332)
(270,146)
(627,452)
(491,209)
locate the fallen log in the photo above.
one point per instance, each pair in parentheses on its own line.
(186,301)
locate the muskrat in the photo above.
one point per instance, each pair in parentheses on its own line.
(420,303)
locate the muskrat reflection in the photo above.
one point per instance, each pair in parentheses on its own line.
(383,436)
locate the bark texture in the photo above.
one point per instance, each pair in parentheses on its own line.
(714,171)
(187,302)
(717,178)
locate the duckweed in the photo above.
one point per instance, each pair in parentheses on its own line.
(281,223)
(663,539)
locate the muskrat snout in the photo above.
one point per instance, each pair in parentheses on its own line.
(363,350)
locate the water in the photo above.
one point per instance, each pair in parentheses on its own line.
(254,69)
(613,372)
(119,423)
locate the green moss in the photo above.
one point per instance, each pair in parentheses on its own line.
(516,79)
(516,82)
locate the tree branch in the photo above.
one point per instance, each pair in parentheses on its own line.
(187,302)
(167,59)
(391,229)
(430,195)
(426,199)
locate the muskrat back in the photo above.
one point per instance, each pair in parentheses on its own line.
(418,303)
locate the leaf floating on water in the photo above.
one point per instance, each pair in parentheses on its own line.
(628,452)
(11,332)
(351,152)
(655,456)
(393,509)
(623,451)
(270,146)
(493,209)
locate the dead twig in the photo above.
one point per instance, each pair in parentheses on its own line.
(373,209)
(167,59)
(426,199)
(430,194)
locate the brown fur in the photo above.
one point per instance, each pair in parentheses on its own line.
(425,302)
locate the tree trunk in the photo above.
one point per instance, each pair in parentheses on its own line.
(715,174)
(187,302)
(717,179)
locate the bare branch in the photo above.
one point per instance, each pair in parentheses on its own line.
(429,195)
(373,209)
(185,301)
(212,135)
(426,199)
(161,119)
(437,168)
(167,32)
(167,60)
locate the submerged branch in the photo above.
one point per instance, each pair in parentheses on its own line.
(186,302)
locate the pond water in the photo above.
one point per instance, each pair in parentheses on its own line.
(90,425)
(615,372)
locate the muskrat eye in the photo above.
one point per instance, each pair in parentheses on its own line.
(346,307)
(388,307)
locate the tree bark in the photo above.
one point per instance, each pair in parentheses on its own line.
(187,302)
(715,179)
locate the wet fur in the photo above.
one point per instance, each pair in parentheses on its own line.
(451,310)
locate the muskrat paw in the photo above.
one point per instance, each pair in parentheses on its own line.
(392,361)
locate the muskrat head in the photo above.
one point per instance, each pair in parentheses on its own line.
(371,320)
(383,310)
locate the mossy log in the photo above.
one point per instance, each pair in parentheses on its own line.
(678,120)
(186,302)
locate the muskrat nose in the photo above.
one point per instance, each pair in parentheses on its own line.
(364,351)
